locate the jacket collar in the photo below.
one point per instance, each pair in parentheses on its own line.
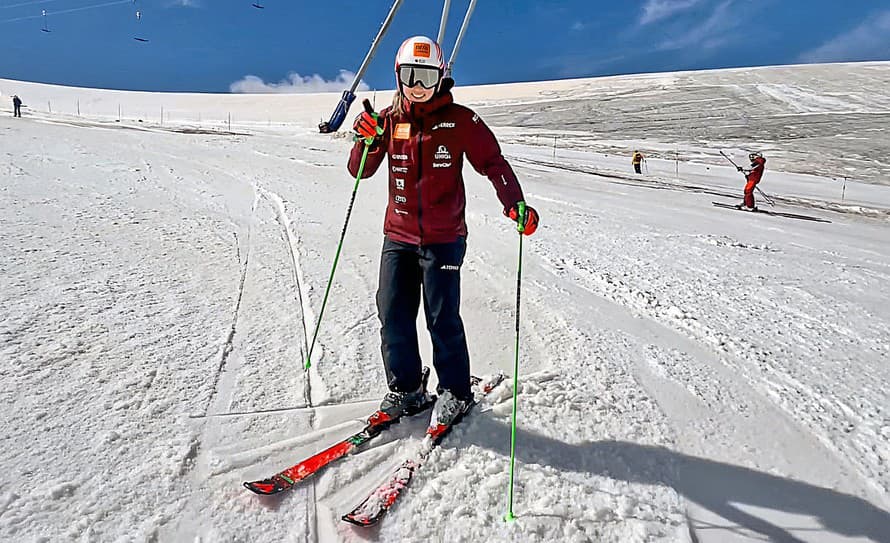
(419,111)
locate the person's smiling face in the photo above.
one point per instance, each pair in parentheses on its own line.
(417,93)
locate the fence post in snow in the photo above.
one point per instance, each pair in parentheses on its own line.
(78,108)
(678,161)
(844,190)
(49,106)
(554,147)
(118,113)
(162,115)
(230,122)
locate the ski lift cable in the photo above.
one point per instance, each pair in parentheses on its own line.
(22,4)
(72,10)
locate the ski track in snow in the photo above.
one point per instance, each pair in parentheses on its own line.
(687,373)
(305,310)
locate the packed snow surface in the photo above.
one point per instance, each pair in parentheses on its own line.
(687,372)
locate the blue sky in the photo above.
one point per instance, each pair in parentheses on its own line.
(291,45)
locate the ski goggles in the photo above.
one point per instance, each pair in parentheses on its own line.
(427,76)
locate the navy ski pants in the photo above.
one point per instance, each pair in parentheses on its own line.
(408,271)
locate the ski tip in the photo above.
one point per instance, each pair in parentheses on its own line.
(492,381)
(438,431)
(264,488)
(359,520)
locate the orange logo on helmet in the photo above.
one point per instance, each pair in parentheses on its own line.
(422,49)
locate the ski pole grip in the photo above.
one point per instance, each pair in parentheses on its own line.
(370,109)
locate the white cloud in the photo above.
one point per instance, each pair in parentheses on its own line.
(711,33)
(295,83)
(868,41)
(656,10)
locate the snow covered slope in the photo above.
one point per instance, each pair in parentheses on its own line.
(825,119)
(688,373)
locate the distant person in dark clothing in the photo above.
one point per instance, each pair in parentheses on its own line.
(638,161)
(16,106)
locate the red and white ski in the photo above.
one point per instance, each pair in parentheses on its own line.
(381,499)
(285,480)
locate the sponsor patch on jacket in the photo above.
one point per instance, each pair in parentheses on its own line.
(400,169)
(400,184)
(399,199)
(442,153)
(402,131)
(399,157)
(443,124)
(441,164)
(450,267)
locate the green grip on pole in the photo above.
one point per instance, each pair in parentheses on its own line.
(369,140)
(520,219)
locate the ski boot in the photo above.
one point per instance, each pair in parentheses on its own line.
(448,410)
(396,405)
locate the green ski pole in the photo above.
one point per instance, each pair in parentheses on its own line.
(358,177)
(509,517)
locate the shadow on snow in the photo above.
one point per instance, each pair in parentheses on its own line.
(716,486)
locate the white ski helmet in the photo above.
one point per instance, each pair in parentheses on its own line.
(424,53)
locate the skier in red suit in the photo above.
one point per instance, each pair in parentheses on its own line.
(753,176)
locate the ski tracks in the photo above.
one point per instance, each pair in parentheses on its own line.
(307,315)
(206,459)
(227,346)
(714,403)
(248,350)
(718,389)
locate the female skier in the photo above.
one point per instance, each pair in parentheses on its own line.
(426,137)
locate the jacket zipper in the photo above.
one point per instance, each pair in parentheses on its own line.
(419,178)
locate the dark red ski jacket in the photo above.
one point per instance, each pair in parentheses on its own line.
(426,147)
